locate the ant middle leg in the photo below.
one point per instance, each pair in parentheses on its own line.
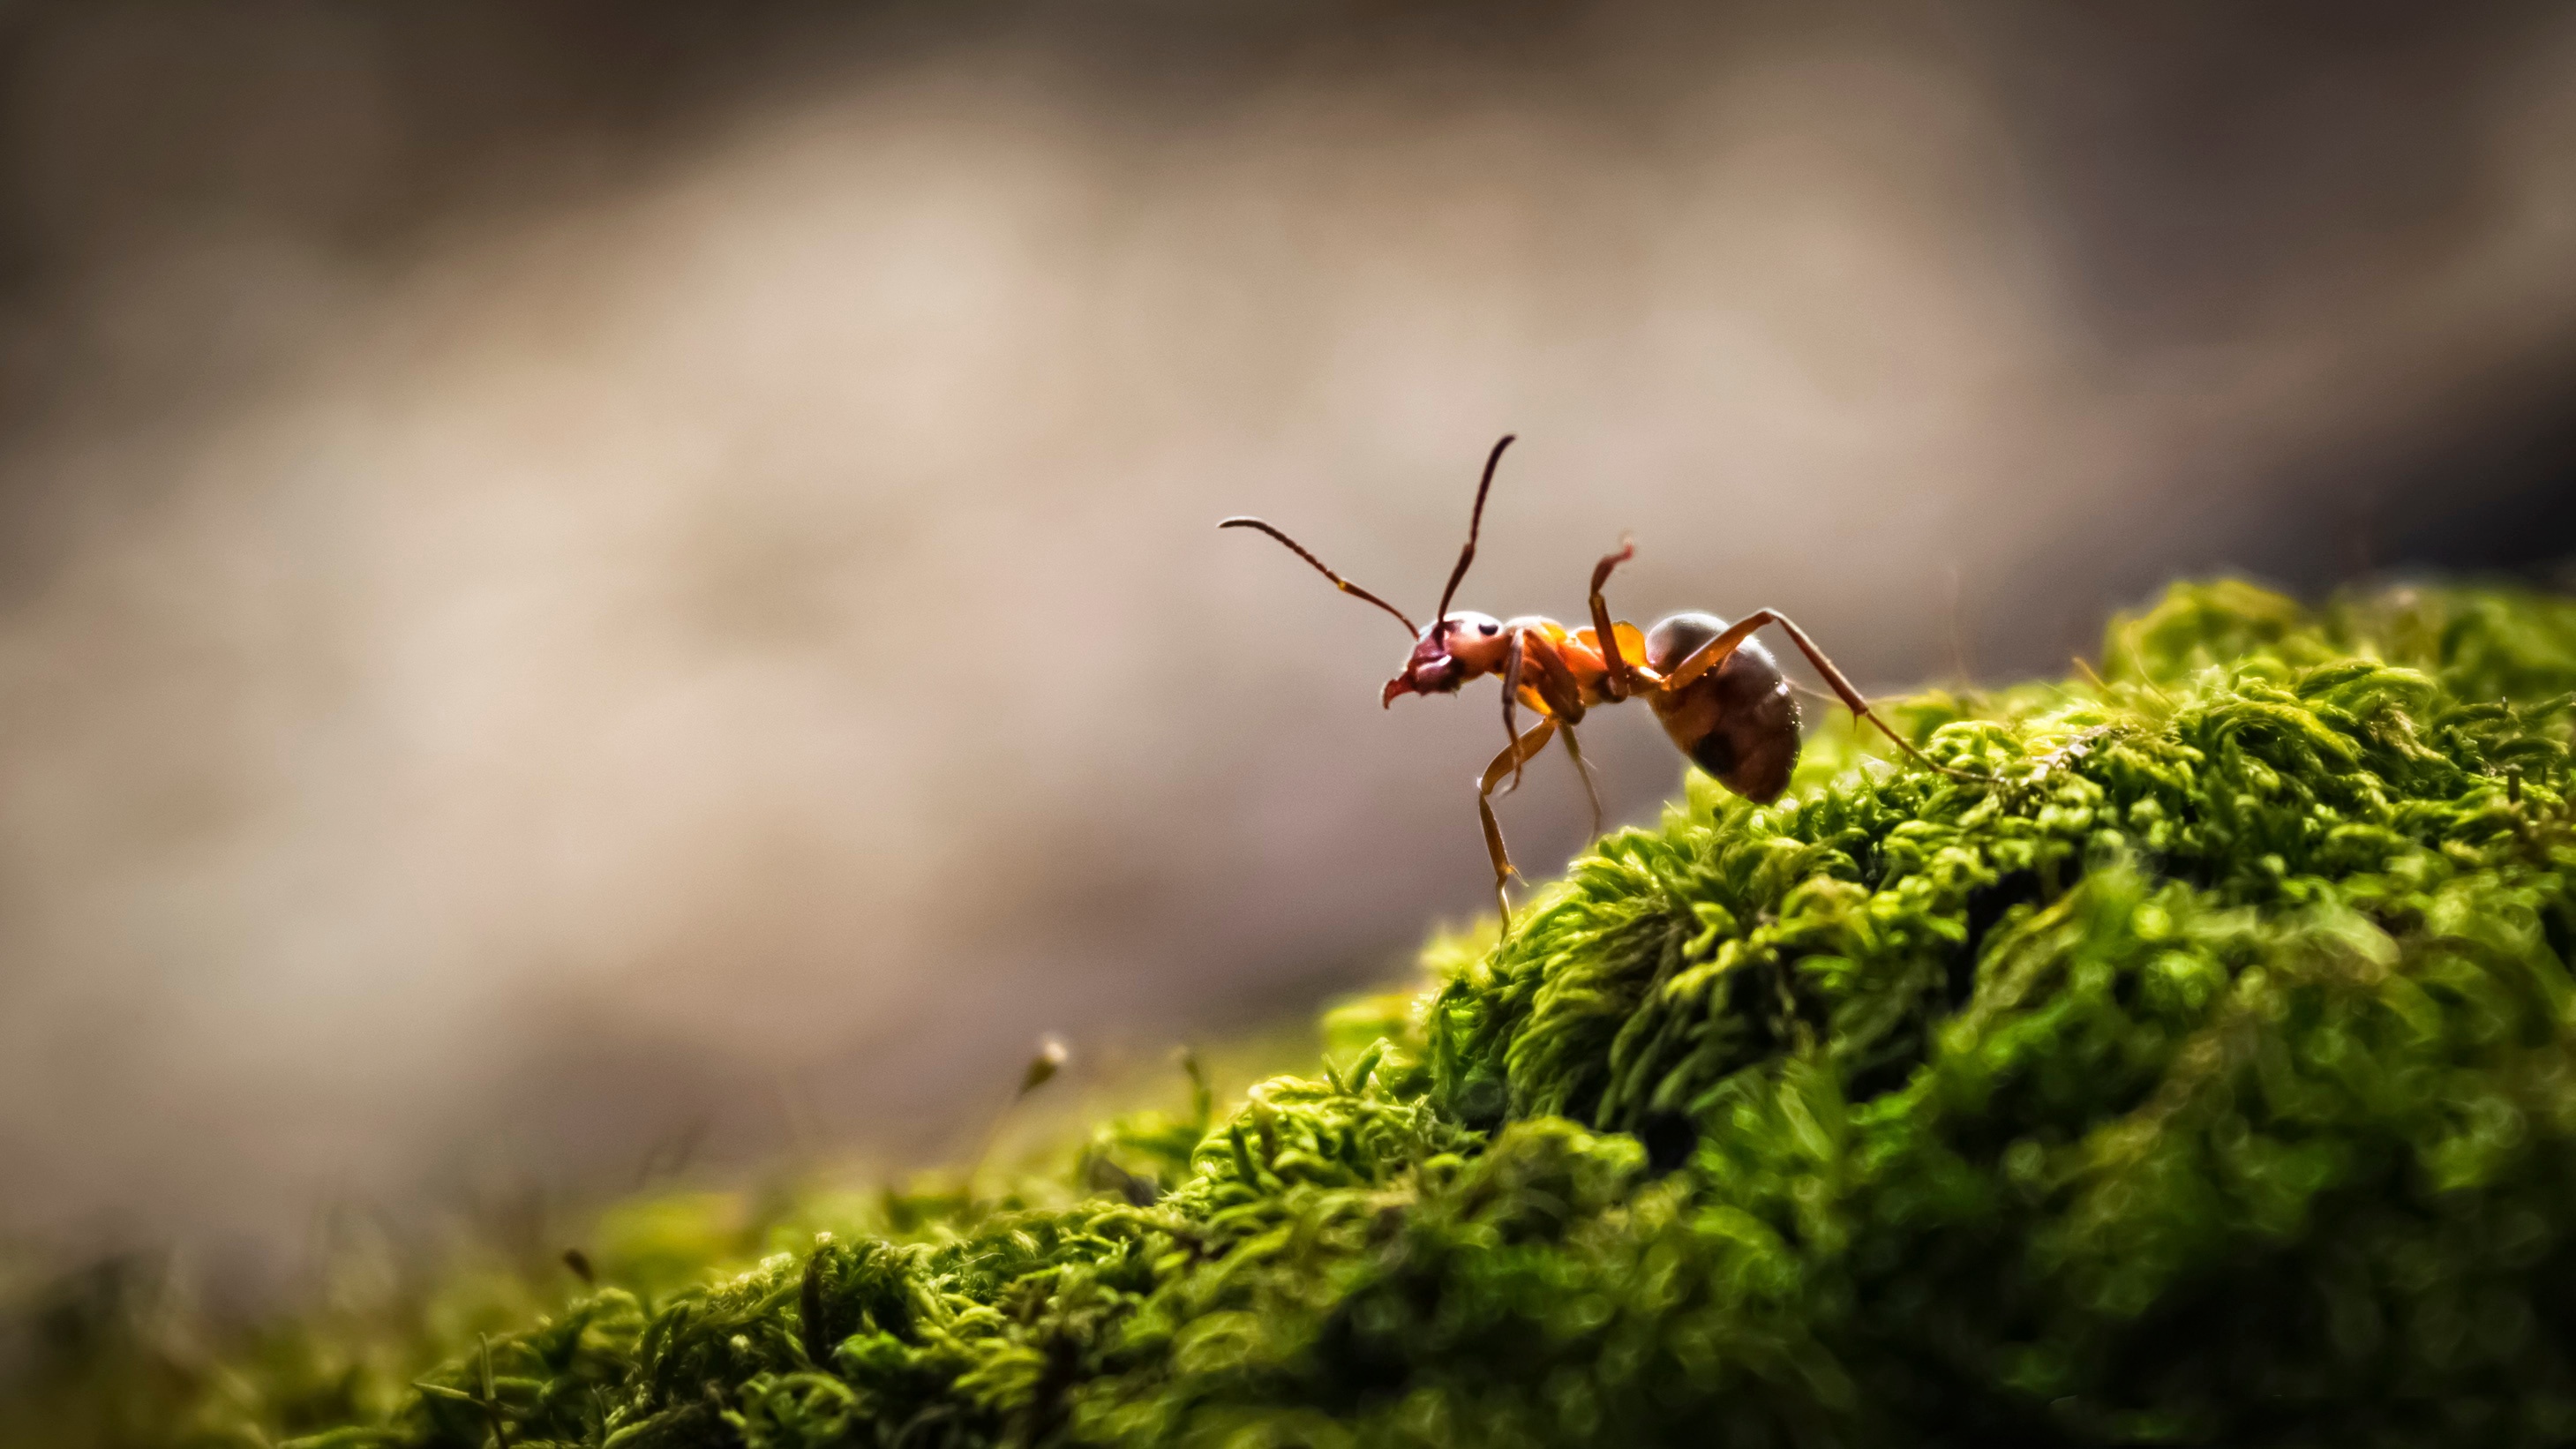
(1591,791)
(1518,753)
(1716,651)
(1624,680)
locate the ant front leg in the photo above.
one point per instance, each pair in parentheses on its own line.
(1518,753)
(1549,680)
(1514,653)
(1716,651)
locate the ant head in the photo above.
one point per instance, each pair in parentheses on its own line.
(1457,647)
(1452,651)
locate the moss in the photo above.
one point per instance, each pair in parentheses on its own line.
(2206,1077)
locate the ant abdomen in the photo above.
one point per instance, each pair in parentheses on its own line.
(1738,722)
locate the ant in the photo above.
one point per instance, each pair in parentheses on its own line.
(1719,694)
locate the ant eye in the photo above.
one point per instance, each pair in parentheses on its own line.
(1489,630)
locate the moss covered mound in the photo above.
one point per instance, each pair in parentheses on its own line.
(2207,1077)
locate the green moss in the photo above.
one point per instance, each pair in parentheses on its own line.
(2205,1078)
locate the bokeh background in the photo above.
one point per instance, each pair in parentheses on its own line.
(581,582)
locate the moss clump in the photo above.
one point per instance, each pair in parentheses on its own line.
(2206,1078)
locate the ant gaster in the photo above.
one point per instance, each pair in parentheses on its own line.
(1720,695)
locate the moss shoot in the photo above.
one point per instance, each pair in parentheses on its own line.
(2205,1078)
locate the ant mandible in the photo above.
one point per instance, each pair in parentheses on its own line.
(1719,695)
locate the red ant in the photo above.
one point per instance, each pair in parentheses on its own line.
(1719,695)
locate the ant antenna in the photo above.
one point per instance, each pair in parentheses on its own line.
(1343,584)
(1475,522)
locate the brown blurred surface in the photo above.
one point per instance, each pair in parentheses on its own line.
(575,573)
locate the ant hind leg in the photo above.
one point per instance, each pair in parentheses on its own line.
(1715,651)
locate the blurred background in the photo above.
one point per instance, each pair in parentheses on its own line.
(582,582)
